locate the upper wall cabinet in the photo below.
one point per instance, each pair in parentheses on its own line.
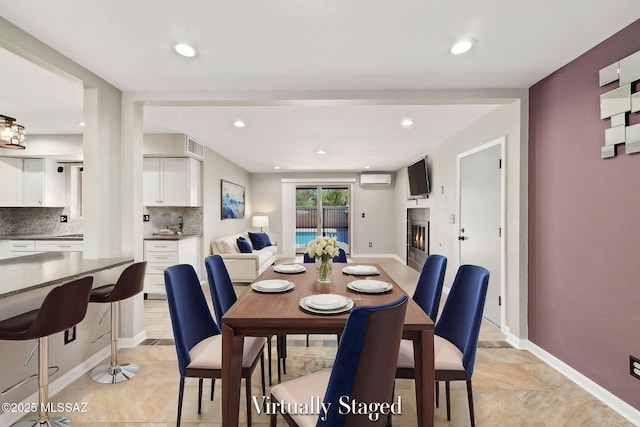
(171,182)
(11,178)
(31,182)
(42,184)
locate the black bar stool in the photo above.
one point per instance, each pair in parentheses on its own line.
(63,307)
(130,283)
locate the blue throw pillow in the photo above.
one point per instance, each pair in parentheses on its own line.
(244,245)
(259,240)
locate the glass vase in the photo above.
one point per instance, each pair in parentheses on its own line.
(324,268)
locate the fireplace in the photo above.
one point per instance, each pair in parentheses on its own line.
(417,237)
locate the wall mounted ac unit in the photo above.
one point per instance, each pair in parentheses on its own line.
(375,179)
(193,148)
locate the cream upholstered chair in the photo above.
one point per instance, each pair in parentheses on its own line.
(363,370)
(456,333)
(197,336)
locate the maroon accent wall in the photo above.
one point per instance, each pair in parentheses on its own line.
(584,225)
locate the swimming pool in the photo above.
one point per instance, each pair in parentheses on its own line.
(304,237)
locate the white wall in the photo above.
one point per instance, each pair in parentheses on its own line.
(377,227)
(266,199)
(164,145)
(58,147)
(215,169)
(507,120)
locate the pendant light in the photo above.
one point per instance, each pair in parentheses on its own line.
(12,135)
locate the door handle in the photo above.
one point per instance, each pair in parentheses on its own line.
(461,236)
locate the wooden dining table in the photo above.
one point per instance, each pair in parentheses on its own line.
(262,314)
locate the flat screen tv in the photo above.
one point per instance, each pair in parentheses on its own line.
(418,179)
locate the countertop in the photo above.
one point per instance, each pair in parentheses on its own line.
(41,237)
(170,236)
(31,272)
(81,237)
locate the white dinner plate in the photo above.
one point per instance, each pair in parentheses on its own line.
(360,270)
(326,301)
(289,268)
(344,309)
(272,285)
(370,286)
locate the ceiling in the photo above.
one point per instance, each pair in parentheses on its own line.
(281,46)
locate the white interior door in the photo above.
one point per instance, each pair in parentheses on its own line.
(481,207)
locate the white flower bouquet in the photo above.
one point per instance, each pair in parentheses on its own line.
(323,249)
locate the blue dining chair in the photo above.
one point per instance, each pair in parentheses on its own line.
(198,339)
(429,287)
(427,295)
(340,258)
(224,296)
(456,333)
(363,369)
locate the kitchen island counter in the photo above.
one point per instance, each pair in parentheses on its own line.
(75,236)
(32,272)
(24,283)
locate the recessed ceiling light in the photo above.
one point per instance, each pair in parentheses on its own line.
(239,123)
(276,167)
(461,47)
(185,50)
(367,167)
(406,122)
(81,124)
(321,152)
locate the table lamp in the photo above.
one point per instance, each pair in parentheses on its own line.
(260,221)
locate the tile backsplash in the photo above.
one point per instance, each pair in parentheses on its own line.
(184,219)
(38,221)
(47,220)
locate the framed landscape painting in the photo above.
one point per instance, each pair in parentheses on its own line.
(232,203)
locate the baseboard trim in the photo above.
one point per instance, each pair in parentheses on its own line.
(57,385)
(516,342)
(590,386)
(397,258)
(394,256)
(132,342)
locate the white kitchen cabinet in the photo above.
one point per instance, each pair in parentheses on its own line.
(161,254)
(22,248)
(171,182)
(151,187)
(16,248)
(5,249)
(59,245)
(11,179)
(31,182)
(42,184)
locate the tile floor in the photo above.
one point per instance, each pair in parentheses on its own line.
(511,387)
